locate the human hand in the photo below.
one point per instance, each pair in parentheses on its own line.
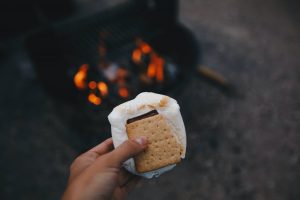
(98,174)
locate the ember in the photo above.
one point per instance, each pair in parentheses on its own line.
(123,92)
(155,68)
(80,77)
(81,80)
(109,57)
(111,76)
(94,99)
(103,89)
(137,56)
(92,85)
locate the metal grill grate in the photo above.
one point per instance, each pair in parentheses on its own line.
(60,51)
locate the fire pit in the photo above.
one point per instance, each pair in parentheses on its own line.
(112,56)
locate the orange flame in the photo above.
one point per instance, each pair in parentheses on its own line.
(156,67)
(145,48)
(103,88)
(151,70)
(123,92)
(136,55)
(92,85)
(160,69)
(94,99)
(142,48)
(80,77)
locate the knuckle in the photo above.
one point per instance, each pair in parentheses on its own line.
(83,158)
(90,155)
(104,160)
(132,145)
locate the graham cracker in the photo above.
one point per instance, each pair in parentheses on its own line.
(163,146)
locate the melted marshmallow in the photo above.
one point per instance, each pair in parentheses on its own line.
(143,103)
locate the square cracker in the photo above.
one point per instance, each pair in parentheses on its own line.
(163,146)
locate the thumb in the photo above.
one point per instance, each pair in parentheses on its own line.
(128,149)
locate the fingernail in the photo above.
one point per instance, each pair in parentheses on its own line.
(141,141)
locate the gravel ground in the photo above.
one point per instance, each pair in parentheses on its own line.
(243,147)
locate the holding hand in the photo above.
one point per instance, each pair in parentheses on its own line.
(98,175)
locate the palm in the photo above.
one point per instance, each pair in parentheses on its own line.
(92,170)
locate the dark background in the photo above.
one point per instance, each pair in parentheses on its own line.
(238,148)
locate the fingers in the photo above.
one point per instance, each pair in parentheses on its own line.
(103,147)
(89,157)
(127,150)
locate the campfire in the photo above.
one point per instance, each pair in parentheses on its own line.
(148,68)
(105,59)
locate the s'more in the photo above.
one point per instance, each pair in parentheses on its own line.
(156,117)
